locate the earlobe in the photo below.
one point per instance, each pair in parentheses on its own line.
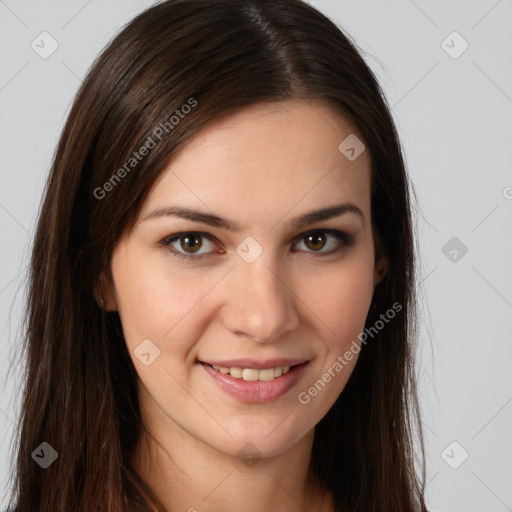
(104,293)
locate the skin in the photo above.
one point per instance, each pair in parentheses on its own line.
(258,168)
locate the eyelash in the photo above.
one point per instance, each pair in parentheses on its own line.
(346,239)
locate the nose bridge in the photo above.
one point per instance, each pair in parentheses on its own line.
(260,303)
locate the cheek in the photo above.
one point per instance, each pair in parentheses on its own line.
(341,302)
(341,299)
(152,300)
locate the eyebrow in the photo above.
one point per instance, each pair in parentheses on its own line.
(305,219)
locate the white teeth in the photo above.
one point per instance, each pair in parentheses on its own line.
(267,374)
(252,374)
(236,372)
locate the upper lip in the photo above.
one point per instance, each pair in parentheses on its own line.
(257,365)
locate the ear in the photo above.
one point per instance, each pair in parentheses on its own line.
(104,291)
(380,270)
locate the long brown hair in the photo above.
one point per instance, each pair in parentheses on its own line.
(217,57)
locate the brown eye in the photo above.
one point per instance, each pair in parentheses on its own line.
(191,243)
(324,242)
(186,245)
(315,241)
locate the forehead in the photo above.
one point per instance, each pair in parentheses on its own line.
(265,161)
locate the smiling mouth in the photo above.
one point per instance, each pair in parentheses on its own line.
(252,374)
(253,381)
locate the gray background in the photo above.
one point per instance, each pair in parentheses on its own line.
(454,118)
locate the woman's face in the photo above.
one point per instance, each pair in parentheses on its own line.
(238,302)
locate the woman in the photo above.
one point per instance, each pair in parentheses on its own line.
(221,303)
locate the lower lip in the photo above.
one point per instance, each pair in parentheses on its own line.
(256,391)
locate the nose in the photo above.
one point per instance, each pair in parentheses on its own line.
(261,304)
